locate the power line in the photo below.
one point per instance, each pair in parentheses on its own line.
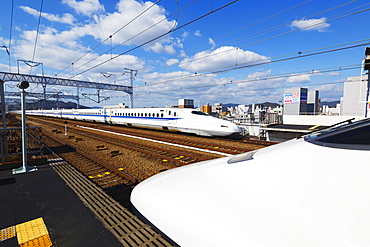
(37,33)
(10,34)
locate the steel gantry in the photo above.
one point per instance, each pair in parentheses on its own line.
(41,95)
(6,76)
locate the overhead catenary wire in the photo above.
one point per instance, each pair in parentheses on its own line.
(253,24)
(138,34)
(264,79)
(276,59)
(158,37)
(141,32)
(269,30)
(111,36)
(279,35)
(10,35)
(37,33)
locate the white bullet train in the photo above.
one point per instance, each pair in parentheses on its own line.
(307,192)
(171,119)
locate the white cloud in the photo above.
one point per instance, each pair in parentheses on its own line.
(160,48)
(172,61)
(258,74)
(197,33)
(311,24)
(299,78)
(66,18)
(223,57)
(184,35)
(85,7)
(150,25)
(212,42)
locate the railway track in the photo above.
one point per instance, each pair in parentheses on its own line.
(162,153)
(98,171)
(215,144)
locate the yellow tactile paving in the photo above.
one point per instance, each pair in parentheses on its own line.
(7,233)
(30,230)
(43,241)
(314,127)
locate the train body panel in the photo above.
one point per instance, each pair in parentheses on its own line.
(172,119)
(303,192)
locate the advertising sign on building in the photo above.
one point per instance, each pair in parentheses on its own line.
(295,98)
(287,98)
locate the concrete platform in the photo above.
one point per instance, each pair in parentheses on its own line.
(25,197)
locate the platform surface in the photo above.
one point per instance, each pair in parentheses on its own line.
(28,196)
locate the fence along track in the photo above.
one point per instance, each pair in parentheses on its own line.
(128,229)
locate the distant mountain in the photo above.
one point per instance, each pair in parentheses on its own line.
(331,104)
(48,105)
(265,104)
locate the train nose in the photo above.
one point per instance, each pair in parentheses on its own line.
(231,128)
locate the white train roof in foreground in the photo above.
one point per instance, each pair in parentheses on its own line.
(304,192)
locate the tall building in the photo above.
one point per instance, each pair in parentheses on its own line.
(355,97)
(186,103)
(295,101)
(301,101)
(313,102)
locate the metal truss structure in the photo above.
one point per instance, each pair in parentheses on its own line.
(41,95)
(55,81)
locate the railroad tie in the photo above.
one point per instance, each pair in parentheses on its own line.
(100,147)
(114,153)
(77,139)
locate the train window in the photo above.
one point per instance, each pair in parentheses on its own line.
(174,114)
(146,114)
(169,112)
(161,114)
(157,114)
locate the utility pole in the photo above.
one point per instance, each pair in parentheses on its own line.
(132,72)
(367,67)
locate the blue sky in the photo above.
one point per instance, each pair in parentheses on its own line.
(247,52)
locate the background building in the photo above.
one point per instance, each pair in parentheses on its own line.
(186,103)
(355,96)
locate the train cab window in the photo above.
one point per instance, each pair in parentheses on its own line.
(199,113)
(351,136)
